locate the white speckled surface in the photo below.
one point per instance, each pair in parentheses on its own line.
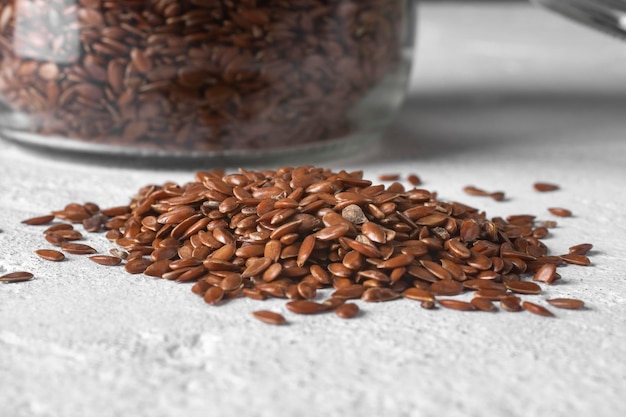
(503,97)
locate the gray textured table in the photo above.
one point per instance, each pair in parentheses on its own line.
(502,96)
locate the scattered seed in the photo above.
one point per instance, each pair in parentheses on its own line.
(566,303)
(39,220)
(347,310)
(306,307)
(388,177)
(511,303)
(523,287)
(483,304)
(537,309)
(106,260)
(213,295)
(545,187)
(269,317)
(572,258)
(50,255)
(18,276)
(456,304)
(77,248)
(414,180)
(559,211)
(580,249)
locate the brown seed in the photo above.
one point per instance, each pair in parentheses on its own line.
(332,232)
(50,255)
(380,295)
(213,295)
(78,248)
(137,266)
(457,305)
(580,249)
(256,267)
(269,317)
(511,303)
(414,180)
(418,294)
(388,177)
(483,304)
(349,292)
(559,211)
(566,303)
(545,187)
(492,294)
(106,260)
(39,220)
(575,259)
(546,273)
(537,309)
(18,276)
(523,287)
(68,234)
(446,287)
(347,310)
(306,307)
(305,250)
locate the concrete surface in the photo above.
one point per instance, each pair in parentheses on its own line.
(502,97)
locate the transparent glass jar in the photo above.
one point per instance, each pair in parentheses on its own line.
(203,78)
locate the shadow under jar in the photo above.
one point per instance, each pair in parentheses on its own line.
(204,78)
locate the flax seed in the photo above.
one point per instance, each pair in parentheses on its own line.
(269,317)
(566,303)
(347,310)
(456,304)
(50,255)
(537,309)
(18,276)
(106,260)
(39,220)
(560,212)
(545,187)
(77,248)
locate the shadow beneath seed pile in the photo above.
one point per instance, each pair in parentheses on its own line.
(433,126)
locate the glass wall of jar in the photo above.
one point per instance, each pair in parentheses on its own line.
(201,77)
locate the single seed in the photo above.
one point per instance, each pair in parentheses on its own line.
(483,304)
(418,294)
(580,249)
(77,248)
(39,220)
(106,260)
(213,295)
(306,307)
(457,305)
(546,273)
(537,309)
(545,187)
(18,276)
(137,266)
(566,303)
(50,255)
(523,287)
(380,295)
(575,259)
(347,310)
(388,177)
(269,317)
(560,212)
(414,180)
(511,303)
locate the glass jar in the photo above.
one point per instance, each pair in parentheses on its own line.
(203,78)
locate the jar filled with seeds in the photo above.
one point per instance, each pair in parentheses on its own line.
(202,78)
